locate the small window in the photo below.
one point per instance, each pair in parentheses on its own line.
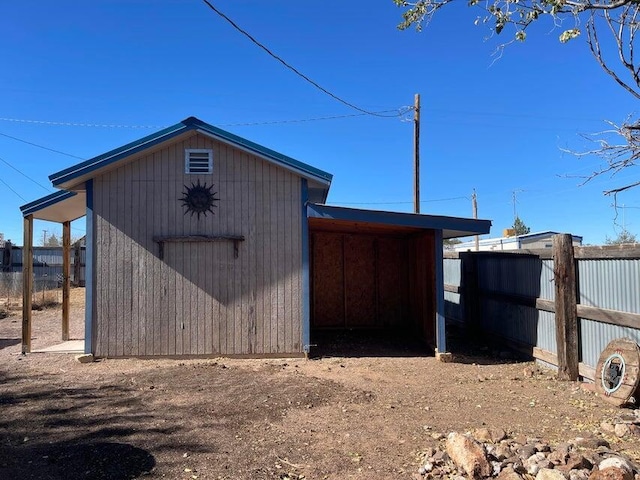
(198,160)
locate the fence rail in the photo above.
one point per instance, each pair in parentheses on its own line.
(47,266)
(513,295)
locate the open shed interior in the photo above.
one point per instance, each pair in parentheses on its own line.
(371,283)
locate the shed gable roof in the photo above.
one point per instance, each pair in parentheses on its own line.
(78,173)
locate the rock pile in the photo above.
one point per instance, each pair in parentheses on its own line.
(491,453)
(623,425)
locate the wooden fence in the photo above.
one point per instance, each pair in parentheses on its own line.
(595,297)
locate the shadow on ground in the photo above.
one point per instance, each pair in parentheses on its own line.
(475,348)
(367,343)
(8,342)
(72,461)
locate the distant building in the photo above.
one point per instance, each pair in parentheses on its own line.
(530,241)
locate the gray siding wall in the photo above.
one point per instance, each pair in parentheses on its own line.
(198,299)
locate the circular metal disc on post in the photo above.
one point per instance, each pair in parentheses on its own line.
(617,373)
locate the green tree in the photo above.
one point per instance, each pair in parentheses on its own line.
(625,236)
(52,241)
(450,243)
(519,227)
(610,27)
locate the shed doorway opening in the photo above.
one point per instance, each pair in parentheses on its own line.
(372,289)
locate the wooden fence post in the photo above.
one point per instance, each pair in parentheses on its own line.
(564,273)
(7,259)
(76,264)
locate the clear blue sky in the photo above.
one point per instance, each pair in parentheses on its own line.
(494,126)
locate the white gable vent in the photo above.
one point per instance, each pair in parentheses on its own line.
(198,160)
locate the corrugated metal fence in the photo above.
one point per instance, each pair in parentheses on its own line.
(510,296)
(47,269)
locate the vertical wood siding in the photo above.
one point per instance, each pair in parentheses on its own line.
(199,299)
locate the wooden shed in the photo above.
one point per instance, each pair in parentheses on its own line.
(200,242)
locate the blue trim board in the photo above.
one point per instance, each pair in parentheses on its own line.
(89,269)
(306,290)
(115,154)
(467,226)
(44,202)
(441,336)
(190,124)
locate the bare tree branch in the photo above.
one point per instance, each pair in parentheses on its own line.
(594,46)
(621,189)
(611,27)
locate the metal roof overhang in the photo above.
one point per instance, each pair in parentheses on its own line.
(74,177)
(358,219)
(58,207)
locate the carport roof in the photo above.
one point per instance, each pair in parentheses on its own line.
(59,207)
(451,227)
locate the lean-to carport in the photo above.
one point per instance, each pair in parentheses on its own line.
(61,207)
(381,270)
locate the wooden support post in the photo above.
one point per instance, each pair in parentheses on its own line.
(565,305)
(27,283)
(66,280)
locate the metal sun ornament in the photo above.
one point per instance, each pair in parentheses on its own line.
(199,199)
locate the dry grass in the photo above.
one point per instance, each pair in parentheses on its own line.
(46,299)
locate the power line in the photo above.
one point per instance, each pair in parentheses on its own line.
(9,187)
(290,67)
(24,174)
(77,124)
(398,112)
(398,203)
(41,146)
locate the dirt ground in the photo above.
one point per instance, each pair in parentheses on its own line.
(357,412)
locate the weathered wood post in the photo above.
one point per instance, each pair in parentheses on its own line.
(66,280)
(6,256)
(76,264)
(564,273)
(27,283)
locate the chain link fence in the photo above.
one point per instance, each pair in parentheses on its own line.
(47,287)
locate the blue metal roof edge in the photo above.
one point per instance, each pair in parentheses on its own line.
(260,149)
(114,155)
(45,202)
(542,234)
(417,220)
(191,123)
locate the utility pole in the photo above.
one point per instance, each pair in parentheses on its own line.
(416,154)
(44,237)
(474,204)
(515,201)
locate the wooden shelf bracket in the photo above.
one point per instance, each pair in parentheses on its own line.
(161,240)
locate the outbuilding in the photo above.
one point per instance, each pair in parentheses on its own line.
(203,243)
